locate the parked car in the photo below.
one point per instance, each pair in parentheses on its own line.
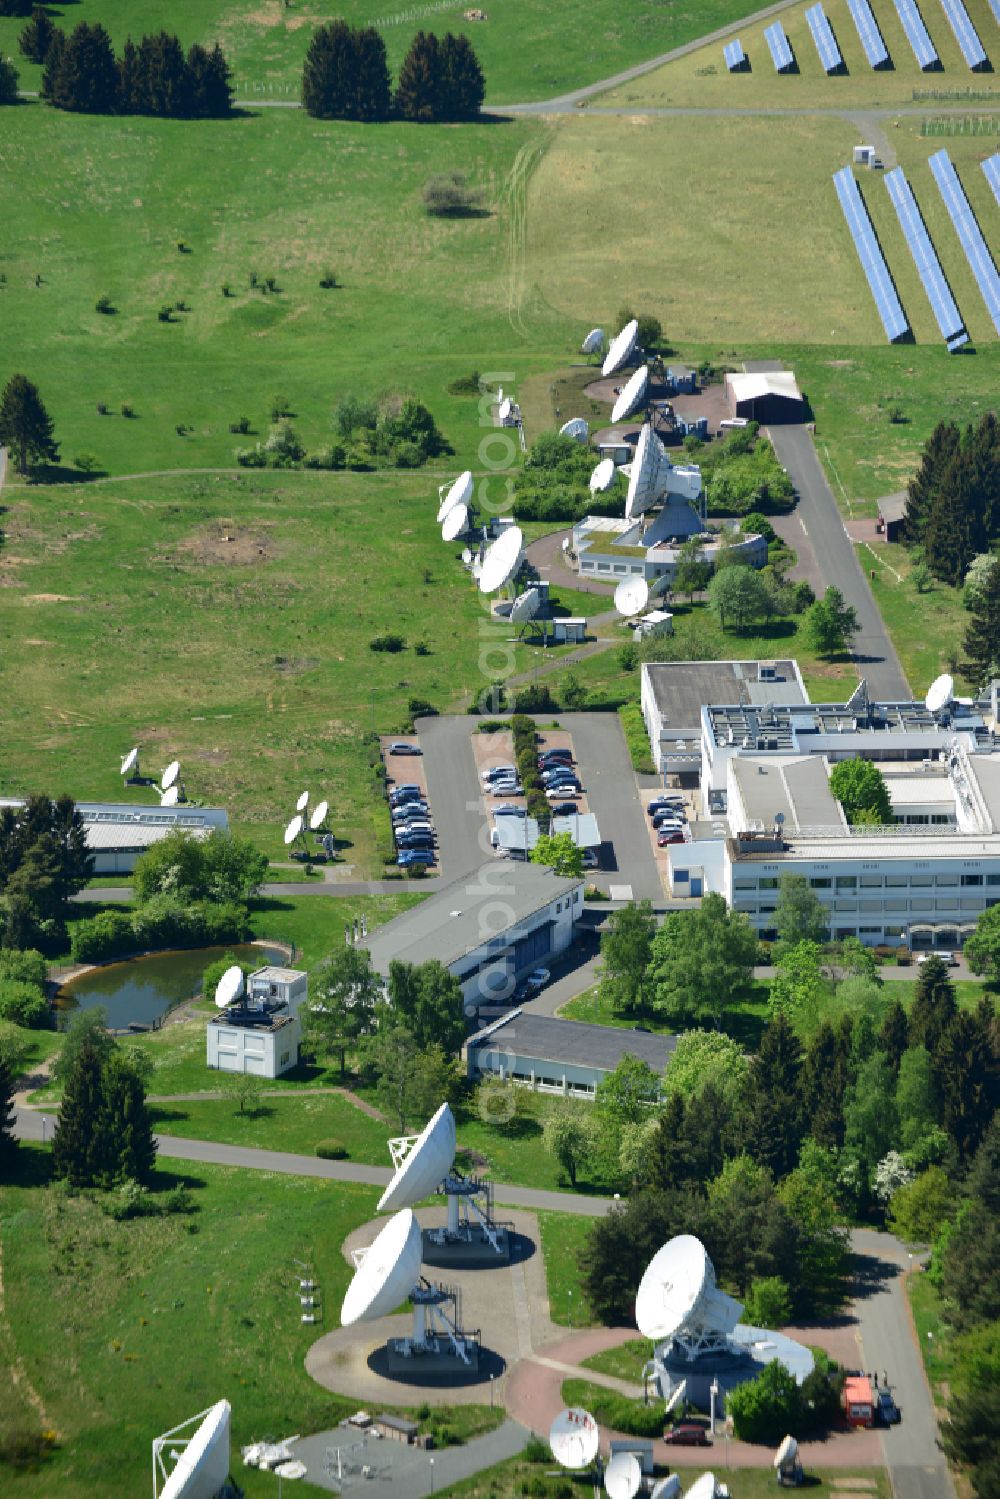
(423,842)
(947,958)
(400,747)
(665,804)
(555,757)
(507,788)
(887,1412)
(669,835)
(687,1434)
(408,810)
(559,781)
(509,811)
(537,980)
(590,859)
(665,819)
(553,772)
(405,793)
(495,772)
(558,793)
(563,809)
(411,856)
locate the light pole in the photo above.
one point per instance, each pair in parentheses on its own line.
(44,1123)
(491,1392)
(432,1475)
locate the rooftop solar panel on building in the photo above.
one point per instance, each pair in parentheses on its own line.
(779,47)
(969,233)
(965,33)
(867,28)
(926,260)
(991,169)
(826,42)
(734,55)
(870,254)
(916,34)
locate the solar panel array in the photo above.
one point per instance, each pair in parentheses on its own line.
(926,260)
(779,47)
(826,42)
(995,8)
(965,33)
(870,254)
(876,51)
(991,170)
(736,57)
(969,233)
(916,34)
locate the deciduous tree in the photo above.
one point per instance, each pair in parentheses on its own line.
(982,948)
(701,961)
(560,853)
(861,790)
(739,597)
(343,993)
(831,624)
(626,949)
(568,1135)
(799,914)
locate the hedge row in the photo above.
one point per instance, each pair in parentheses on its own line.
(634,728)
(158,925)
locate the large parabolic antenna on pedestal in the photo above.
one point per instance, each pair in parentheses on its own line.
(679,1301)
(667,1488)
(455,523)
(574,1438)
(460,493)
(633,395)
(130,761)
(386,1273)
(170,775)
(525,606)
(645,484)
(424,1165)
(502,560)
(170,797)
(622,348)
(201,1464)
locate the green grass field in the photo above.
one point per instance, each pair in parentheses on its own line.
(624,1362)
(563,1236)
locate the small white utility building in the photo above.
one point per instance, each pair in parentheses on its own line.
(261,1032)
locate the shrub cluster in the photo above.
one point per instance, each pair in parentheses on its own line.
(22,988)
(346,77)
(634,728)
(396,432)
(742,475)
(331,1150)
(82,74)
(133,1200)
(160,923)
(554,483)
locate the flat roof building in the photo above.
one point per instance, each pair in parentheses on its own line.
(118,832)
(562,1056)
(673,694)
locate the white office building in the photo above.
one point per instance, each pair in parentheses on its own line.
(767,810)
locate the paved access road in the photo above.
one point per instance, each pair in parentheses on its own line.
(873,650)
(886,1335)
(456,796)
(612,794)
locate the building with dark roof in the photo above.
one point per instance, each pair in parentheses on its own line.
(562,1056)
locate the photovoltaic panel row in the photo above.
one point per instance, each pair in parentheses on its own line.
(969,233)
(779,47)
(916,34)
(826,42)
(735,56)
(991,170)
(926,260)
(870,254)
(965,33)
(876,50)
(995,8)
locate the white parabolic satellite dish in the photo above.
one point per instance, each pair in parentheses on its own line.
(171,773)
(593,341)
(631,595)
(426,1165)
(622,348)
(574,1438)
(303,802)
(644,484)
(787,1452)
(667,1488)
(203,1465)
(230,987)
(603,476)
(293,829)
(678,1295)
(505,408)
(130,761)
(170,797)
(318,816)
(622,1476)
(525,606)
(388,1272)
(939,693)
(633,395)
(502,560)
(577,427)
(703,1487)
(456,522)
(460,493)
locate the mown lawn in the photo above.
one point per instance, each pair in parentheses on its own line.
(624,1362)
(563,1237)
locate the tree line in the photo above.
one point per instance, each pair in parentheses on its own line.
(81,73)
(346,77)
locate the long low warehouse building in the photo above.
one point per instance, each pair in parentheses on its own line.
(561,1056)
(118,832)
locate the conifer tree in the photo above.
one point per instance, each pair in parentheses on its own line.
(129,89)
(53,62)
(86,78)
(15,7)
(824,1083)
(373,86)
(164,78)
(939,452)
(77,1145)
(327,74)
(982,635)
(419,90)
(933,1005)
(775,1115)
(125,1125)
(953,532)
(981,445)
(9,81)
(894,1037)
(36,38)
(970,1270)
(211,89)
(463,85)
(25,425)
(8,1140)
(965,1070)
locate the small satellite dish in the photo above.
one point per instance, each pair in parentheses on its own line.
(940,693)
(130,761)
(622,1476)
(170,775)
(502,560)
(293,829)
(525,606)
(786,1453)
(631,596)
(603,476)
(645,482)
(505,408)
(574,1438)
(456,522)
(667,1488)
(293,1468)
(622,348)
(170,797)
(318,816)
(303,802)
(230,987)
(466,556)
(703,1487)
(460,493)
(633,395)
(593,342)
(565,543)
(388,1272)
(577,427)
(425,1165)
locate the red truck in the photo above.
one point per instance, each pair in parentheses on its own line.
(859,1404)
